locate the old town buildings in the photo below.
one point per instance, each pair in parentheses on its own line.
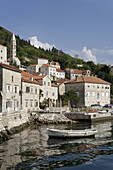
(28,90)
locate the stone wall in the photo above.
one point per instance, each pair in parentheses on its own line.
(12,119)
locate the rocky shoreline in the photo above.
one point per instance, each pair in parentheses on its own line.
(46,118)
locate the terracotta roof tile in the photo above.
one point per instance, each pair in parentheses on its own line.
(47,65)
(87,79)
(9,67)
(59,70)
(27,79)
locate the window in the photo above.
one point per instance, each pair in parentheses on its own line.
(97,87)
(48,83)
(46,94)
(98,95)
(53,94)
(93,94)
(31,103)
(1,51)
(9,104)
(26,103)
(106,94)
(36,103)
(12,78)
(27,89)
(36,91)
(77,94)
(31,90)
(9,88)
(102,94)
(44,82)
(15,89)
(1,57)
(88,94)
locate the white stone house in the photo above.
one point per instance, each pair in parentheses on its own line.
(3,54)
(49,70)
(54,64)
(73,73)
(90,90)
(49,91)
(29,94)
(10,86)
(33,68)
(60,74)
(41,61)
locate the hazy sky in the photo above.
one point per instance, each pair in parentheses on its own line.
(83,27)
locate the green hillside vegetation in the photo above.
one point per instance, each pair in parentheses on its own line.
(26,53)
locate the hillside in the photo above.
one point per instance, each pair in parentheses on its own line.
(26,52)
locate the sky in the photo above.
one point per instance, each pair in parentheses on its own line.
(83,27)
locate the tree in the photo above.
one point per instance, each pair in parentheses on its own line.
(70,96)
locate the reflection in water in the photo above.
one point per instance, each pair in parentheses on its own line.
(32,148)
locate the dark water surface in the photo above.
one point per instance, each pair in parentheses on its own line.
(32,149)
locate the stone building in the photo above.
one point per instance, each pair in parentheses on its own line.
(49,70)
(33,68)
(90,90)
(54,64)
(49,90)
(3,54)
(30,93)
(10,86)
(41,61)
(60,74)
(73,73)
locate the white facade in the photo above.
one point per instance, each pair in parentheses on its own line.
(30,95)
(10,85)
(90,91)
(49,91)
(41,61)
(3,54)
(60,74)
(48,70)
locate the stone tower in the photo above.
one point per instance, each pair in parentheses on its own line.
(13,48)
(13,57)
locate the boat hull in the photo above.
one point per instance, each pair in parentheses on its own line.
(70,133)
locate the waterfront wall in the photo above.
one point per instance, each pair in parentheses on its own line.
(9,120)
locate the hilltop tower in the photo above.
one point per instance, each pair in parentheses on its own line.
(13,57)
(13,48)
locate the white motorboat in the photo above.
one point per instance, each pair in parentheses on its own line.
(71,133)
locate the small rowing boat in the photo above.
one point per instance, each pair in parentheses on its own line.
(71,133)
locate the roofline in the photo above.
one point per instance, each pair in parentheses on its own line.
(9,68)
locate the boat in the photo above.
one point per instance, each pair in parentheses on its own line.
(70,133)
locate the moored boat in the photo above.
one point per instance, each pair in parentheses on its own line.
(71,133)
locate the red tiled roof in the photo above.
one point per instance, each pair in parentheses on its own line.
(76,71)
(87,79)
(39,77)
(59,70)
(47,65)
(54,63)
(9,67)
(36,73)
(24,73)
(34,65)
(62,80)
(27,79)
(54,85)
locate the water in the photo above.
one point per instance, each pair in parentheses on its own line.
(32,149)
